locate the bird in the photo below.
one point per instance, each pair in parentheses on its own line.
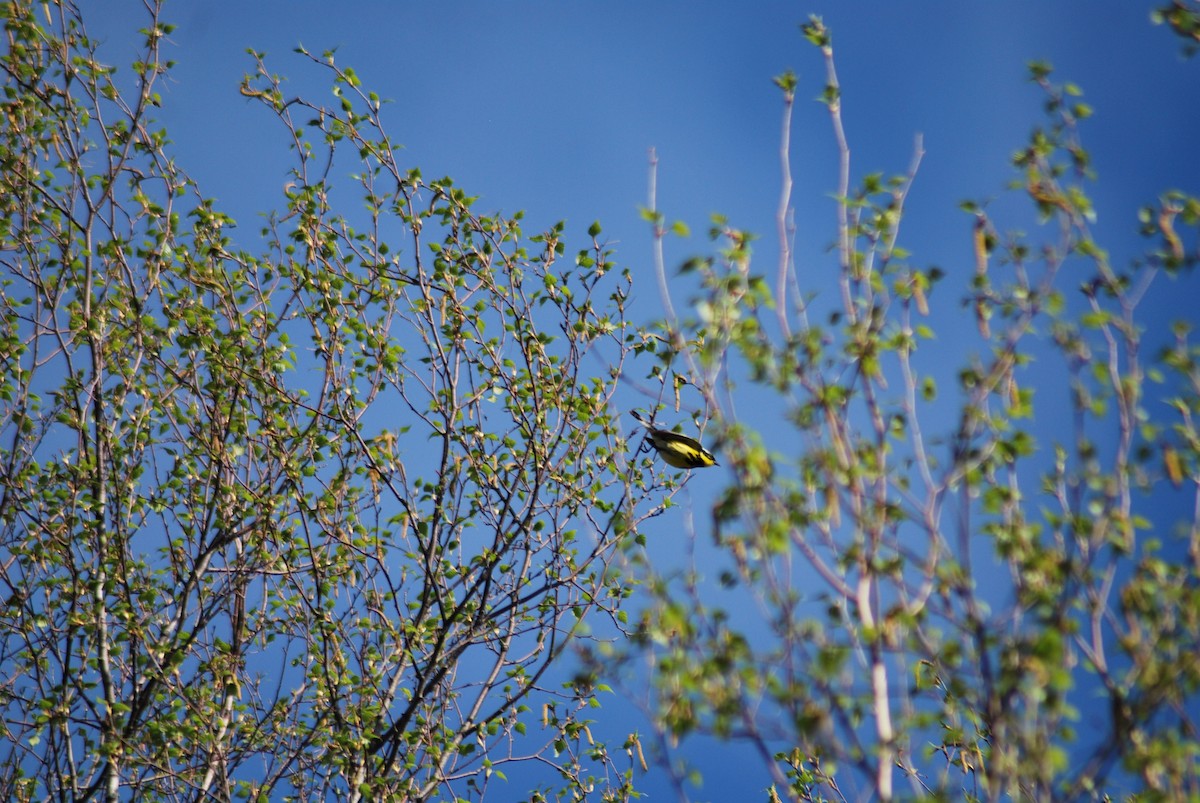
(675,449)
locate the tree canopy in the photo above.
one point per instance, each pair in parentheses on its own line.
(348,507)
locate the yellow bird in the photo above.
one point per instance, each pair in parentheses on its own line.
(677,450)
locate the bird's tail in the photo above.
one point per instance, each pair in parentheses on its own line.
(641,419)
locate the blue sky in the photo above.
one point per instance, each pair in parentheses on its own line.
(550,107)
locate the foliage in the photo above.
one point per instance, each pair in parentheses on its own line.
(1183,17)
(315,515)
(313,522)
(921,595)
